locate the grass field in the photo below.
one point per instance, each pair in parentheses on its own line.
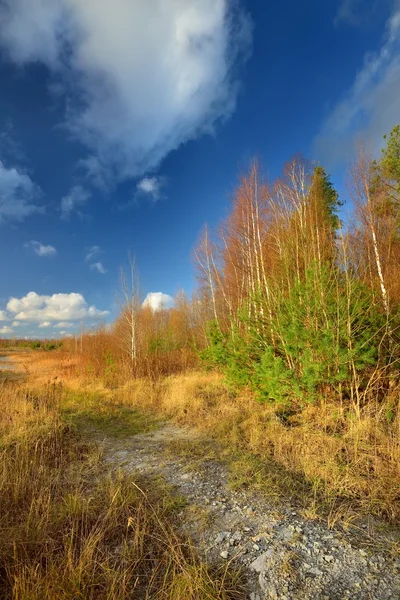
(335,466)
(69,529)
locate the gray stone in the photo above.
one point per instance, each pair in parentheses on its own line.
(235,538)
(315,572)
(260,564)
(328,558)
(221,537)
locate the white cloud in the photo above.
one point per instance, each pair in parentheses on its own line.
(6,330)
(63,324)
(140,77)
(18,194)
(16,323)
(157,300)
(42,249)
(150,186)
(44,325)
(76,197)
(3,316)
(92,252)
(370,107)
(95,266)
(58,307)
(98,266)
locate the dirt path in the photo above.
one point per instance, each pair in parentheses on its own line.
(284,556)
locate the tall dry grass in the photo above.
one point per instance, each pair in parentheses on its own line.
(325,455)
(69,530)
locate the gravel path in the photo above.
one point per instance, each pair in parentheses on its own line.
(283,555)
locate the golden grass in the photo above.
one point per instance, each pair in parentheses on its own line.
(40,367)
(69,530)
(318,454)
(326,456)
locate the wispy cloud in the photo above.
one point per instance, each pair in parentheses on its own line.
(18,194)
(135,91)
(370,107)
(41,249)
(359,13)
(9,145)
(92,253)
(72,202)
(158,300)
(63,325)
(151,187)
(98,266)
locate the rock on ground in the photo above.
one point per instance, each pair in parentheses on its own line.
(283,555)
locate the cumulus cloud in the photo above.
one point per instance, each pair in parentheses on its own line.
(42,249)
(63,325)
(72,202)
(98,266)
(18,194)
(140,78)
(58,307)
(3,316)
(370,107)
(150,186)
(92,253)
(5,330)
(44,325)
(157,300)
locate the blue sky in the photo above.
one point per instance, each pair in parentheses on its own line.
(124,125)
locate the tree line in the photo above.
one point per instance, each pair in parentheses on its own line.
(292,301)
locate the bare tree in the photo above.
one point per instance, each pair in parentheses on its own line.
(365,202)
(129,301)
(204,256)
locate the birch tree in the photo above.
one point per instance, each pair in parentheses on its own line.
(129,301)
(363,195)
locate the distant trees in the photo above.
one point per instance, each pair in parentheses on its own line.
(33,344)
(142,342)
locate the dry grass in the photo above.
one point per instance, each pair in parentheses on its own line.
(343,464)
(68,530)
(327,457)
(40,367)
